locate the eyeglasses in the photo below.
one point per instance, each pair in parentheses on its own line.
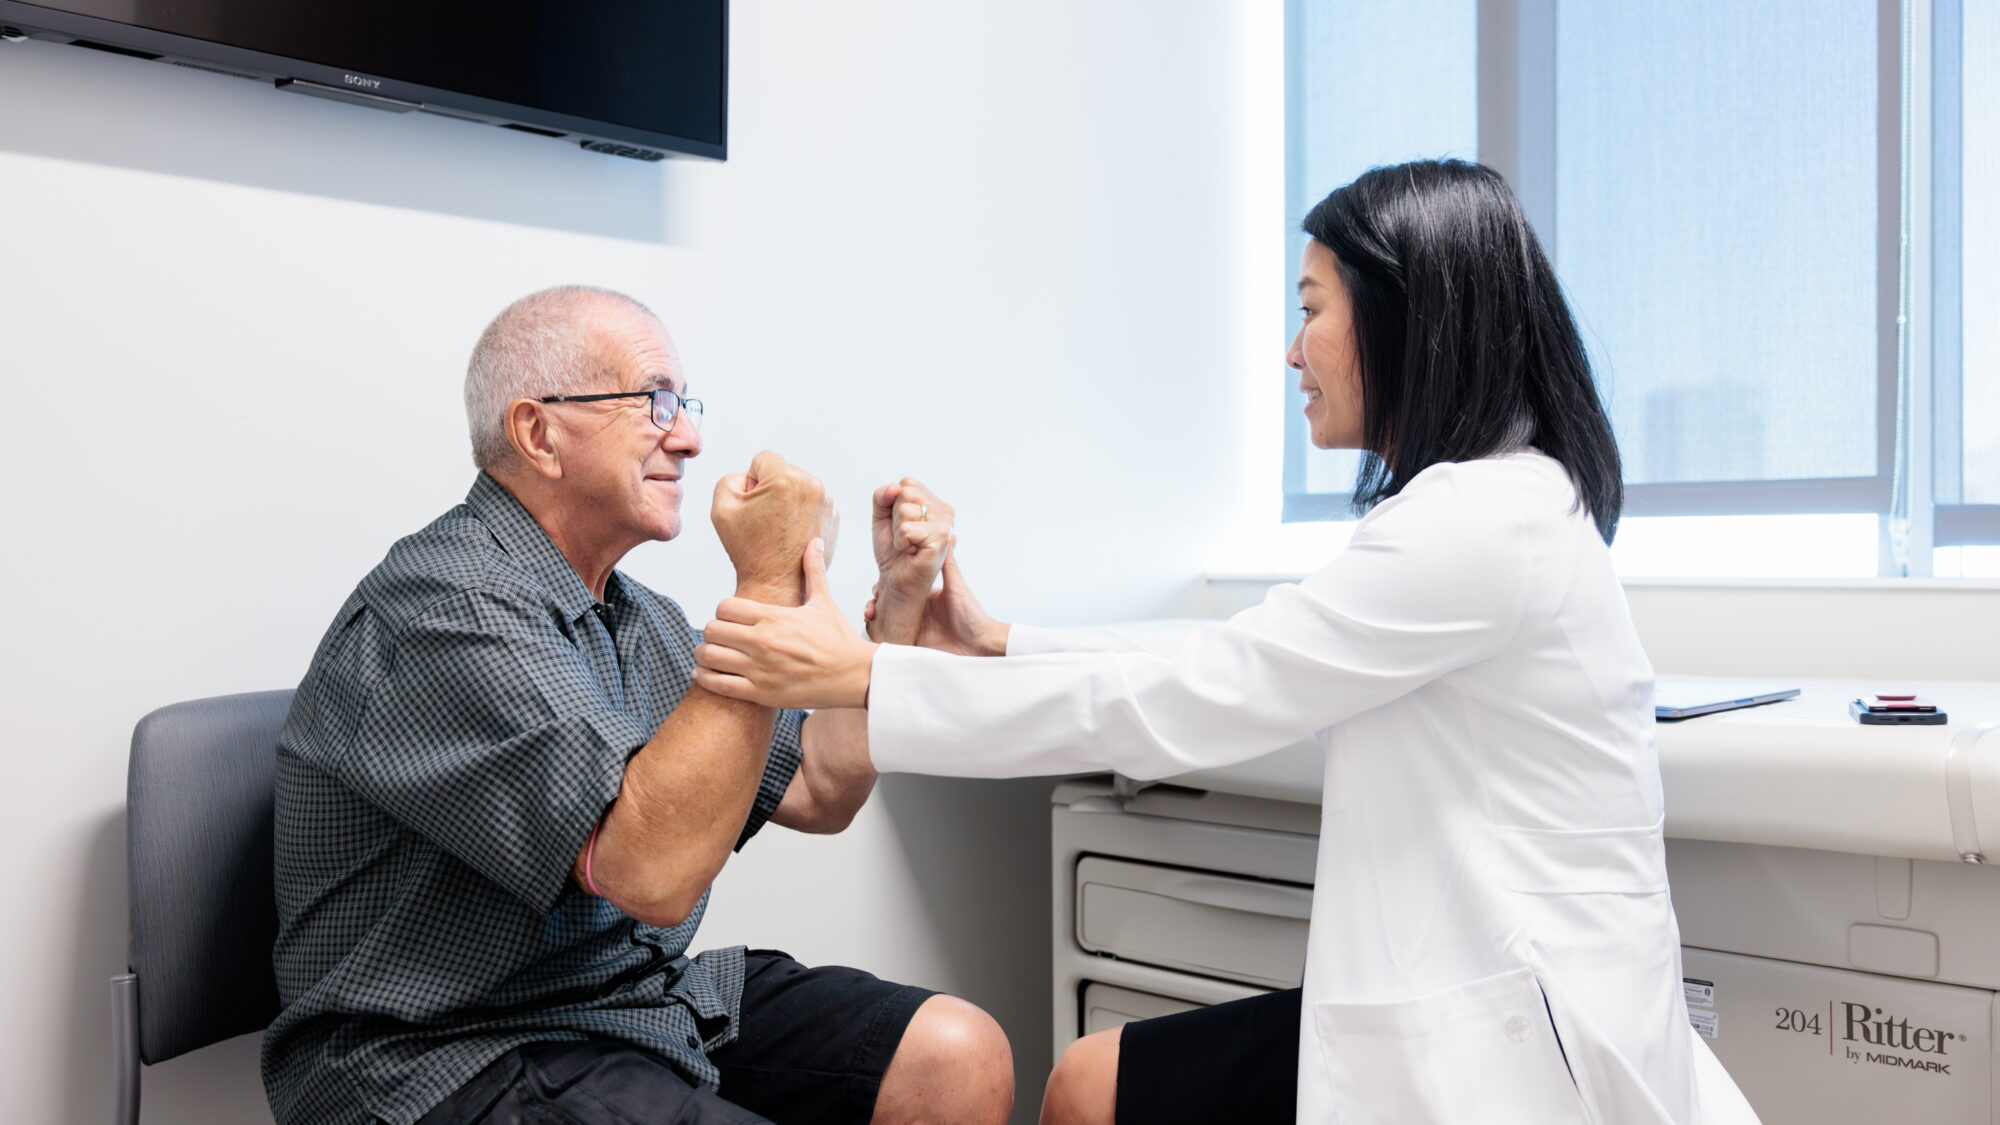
(667,404)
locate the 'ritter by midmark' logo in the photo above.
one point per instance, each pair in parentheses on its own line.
(1870,1026)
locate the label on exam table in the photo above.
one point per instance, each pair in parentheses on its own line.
(1811,1045)
(1704,1021)
(1699,993)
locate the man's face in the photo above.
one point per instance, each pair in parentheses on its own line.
(621,473)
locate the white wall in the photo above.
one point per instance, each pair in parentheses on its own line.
(1023,248)
(1891,630)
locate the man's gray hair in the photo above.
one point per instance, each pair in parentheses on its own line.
(538,346)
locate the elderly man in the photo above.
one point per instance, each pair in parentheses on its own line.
(501,802)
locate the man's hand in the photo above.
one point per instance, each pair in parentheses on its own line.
(799,656)
(765,518)
(912,533)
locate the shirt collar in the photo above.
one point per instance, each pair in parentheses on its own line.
(524,539)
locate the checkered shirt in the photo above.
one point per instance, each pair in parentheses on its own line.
(464,723)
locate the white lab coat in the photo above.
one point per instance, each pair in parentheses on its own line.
(1492,941)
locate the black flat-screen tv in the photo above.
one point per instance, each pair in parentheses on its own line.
(637,78)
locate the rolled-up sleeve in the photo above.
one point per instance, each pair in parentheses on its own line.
(786,753)
(486,732)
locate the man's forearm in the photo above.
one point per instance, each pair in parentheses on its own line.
(835,777)
(681,807)
(683,801)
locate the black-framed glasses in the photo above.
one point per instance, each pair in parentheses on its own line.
(667,404)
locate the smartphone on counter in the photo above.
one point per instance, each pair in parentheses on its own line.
(1896,710)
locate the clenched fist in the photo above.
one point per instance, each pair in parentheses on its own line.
(765,518)
(912,533)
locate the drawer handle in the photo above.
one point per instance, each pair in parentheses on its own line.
(1232,894)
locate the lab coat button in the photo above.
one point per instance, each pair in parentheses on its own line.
(1517,1027)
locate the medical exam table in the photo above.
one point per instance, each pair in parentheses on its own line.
(1839,919)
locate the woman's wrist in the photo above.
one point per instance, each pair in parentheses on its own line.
(895,628)
(996,638)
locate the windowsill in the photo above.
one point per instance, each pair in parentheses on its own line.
(1247,577)
(1893,630)
(1875,585)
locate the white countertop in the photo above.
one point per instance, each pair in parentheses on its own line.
(1801,773)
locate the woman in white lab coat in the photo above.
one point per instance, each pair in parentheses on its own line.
(1492,940)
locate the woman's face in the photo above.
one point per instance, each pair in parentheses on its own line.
(1324,353)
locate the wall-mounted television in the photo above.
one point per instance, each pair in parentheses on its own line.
(637,78)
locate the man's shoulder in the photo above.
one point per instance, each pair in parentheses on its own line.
(452,559)
(440,573)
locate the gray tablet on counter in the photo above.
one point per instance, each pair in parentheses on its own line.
(1684,697)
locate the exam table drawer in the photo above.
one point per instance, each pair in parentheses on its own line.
(1107,1006)
(1250,930)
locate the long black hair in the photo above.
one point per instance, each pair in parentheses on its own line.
(1466,346)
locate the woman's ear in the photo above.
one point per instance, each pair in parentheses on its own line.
(533,434)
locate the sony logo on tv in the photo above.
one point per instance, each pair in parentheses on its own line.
(364,83)
(1872,1027)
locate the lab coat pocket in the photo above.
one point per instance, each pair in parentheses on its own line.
(1482,1052)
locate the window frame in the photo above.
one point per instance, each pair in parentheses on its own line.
(1915,489)
(1955,523)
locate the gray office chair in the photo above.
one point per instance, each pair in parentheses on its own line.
(198,810)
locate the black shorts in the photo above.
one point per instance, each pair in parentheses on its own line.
(813,1046)
(1236,1062)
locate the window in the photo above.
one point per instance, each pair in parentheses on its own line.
(1716,230)
(1793,312)
(1405,88)
(1966,282)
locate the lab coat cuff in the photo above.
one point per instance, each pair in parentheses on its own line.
(897,709)
(1027,640)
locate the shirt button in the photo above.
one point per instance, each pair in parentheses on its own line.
(694,1041)
(1517,1027)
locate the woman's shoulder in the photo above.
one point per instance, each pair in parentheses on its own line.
(1528,469)
(1462,542)
(1510,488)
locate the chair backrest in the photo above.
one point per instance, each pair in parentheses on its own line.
(198,800)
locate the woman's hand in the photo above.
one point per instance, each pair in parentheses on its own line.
(911,530)
(807,656)
(953,620)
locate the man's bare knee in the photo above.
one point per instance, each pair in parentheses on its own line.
(1083,1087)
(953,1065)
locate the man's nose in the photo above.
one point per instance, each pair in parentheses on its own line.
(684,436)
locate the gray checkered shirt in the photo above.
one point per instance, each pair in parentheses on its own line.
(465,721)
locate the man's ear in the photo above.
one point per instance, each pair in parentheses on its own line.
(532,433)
